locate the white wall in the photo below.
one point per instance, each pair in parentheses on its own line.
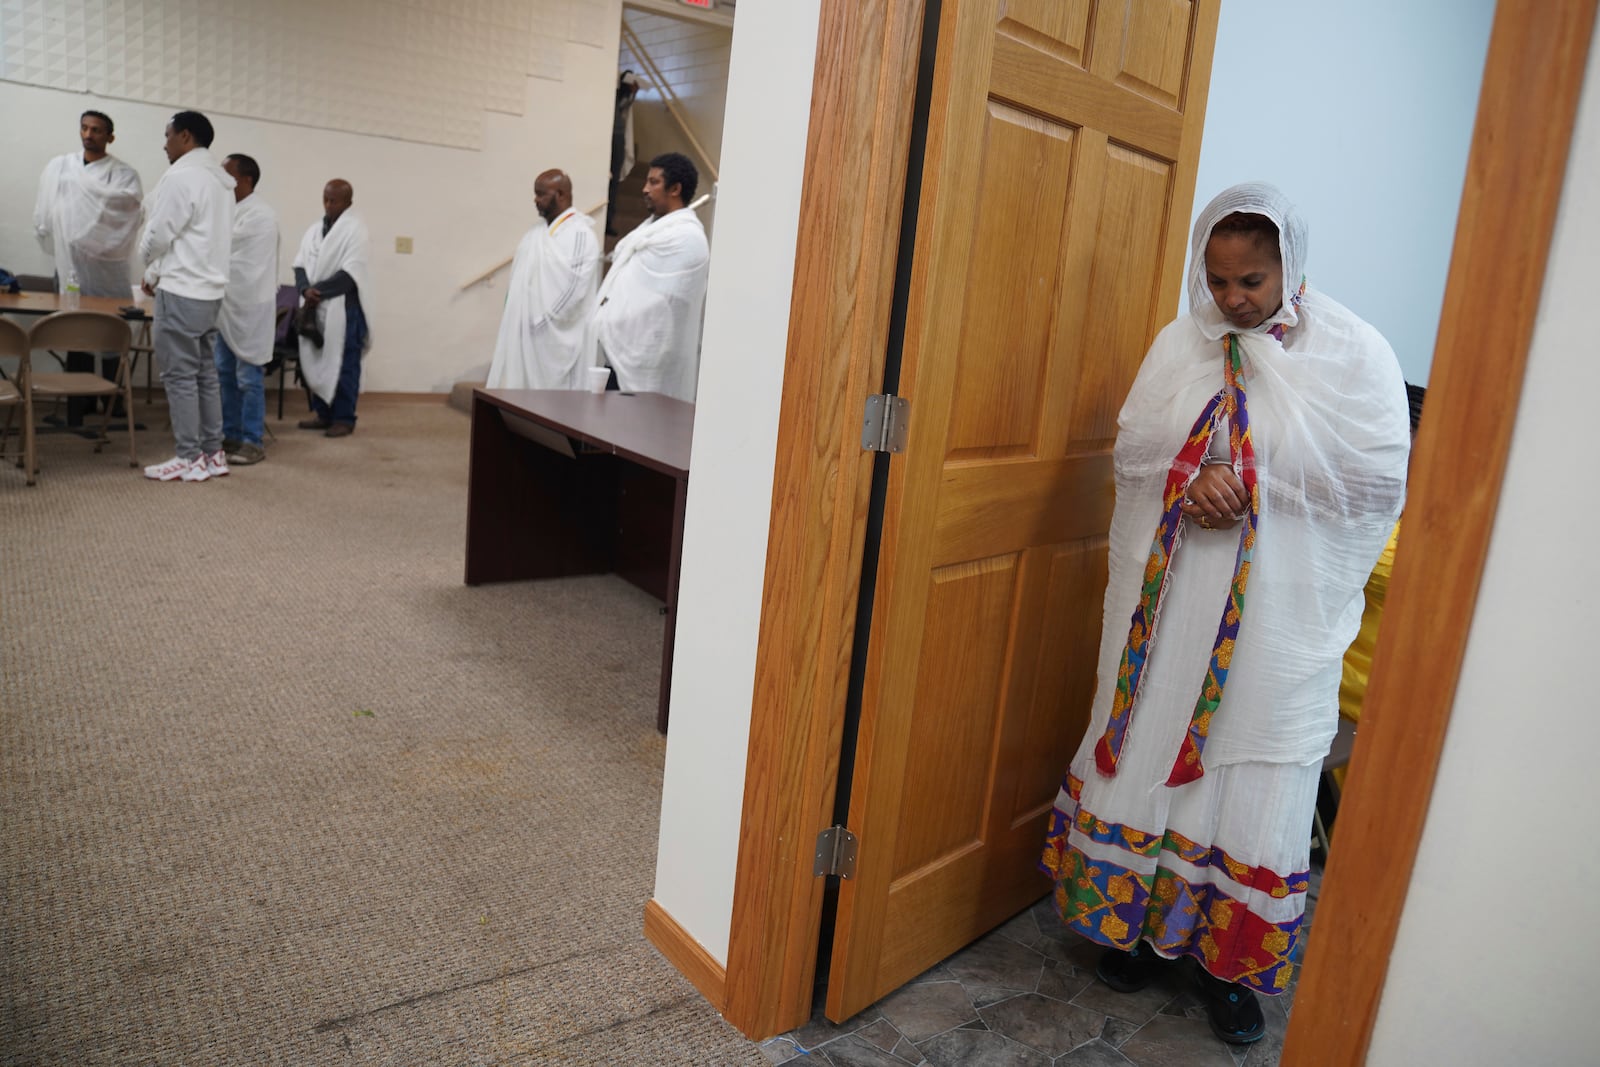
(464,209)
(735,442)
(1495,958)
(1362,113)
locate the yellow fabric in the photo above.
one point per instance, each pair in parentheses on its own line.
(1358,659)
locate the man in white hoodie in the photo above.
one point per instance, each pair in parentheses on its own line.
(186,246)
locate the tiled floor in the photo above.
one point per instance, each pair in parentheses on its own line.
(1026,996)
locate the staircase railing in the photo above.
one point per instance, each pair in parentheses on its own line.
(668,97)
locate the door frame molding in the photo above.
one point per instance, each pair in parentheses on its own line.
(844,266)
(845,259)
(1533,75)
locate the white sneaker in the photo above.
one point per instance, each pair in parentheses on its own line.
(197,471)
(216,463)
(170,471)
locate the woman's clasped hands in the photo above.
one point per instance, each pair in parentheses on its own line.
(1216,499)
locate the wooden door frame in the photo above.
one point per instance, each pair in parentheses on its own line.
(845,261)
(1538,51)
(857,146)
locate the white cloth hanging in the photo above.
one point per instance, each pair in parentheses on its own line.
(87,216)
(546,338)
(648,318)
(248,319)
(346,247)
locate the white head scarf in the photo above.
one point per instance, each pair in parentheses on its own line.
(1251,198)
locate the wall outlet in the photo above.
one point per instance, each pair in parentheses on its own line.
(402,245)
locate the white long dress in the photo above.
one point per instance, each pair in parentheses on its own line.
(1216,868)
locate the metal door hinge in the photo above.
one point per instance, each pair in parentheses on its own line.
(884,423)
(836,853)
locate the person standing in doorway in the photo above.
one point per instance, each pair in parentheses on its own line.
(648,318)
(1260,465)
(186,246)
(621,141)
(249,316)
(335,252)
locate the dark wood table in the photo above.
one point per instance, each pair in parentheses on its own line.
(566,482)
(49,303)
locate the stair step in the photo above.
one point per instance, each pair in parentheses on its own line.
(461,396)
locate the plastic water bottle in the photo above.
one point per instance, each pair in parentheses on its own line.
(70,303)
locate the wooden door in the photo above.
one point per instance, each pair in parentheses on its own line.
(1059,174)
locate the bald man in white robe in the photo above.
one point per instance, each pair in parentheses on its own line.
(546,339)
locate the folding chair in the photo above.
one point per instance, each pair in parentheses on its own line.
(285,344)
(87,331)
(14,394)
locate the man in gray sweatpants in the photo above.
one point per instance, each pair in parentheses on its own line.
(186,244)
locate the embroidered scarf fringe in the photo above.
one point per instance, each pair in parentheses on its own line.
(1230,403)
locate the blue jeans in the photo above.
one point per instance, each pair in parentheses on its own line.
(343,408)
(244,396)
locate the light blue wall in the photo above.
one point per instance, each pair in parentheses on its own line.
(1362,113)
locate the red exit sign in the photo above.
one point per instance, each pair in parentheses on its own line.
(707,4)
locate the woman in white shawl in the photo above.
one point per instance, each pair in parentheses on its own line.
(1260,464)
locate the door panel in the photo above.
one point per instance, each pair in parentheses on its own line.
(969,610)
(1122,294)
(1058,178)
(1060,27)
(1154,49)
(1020,208)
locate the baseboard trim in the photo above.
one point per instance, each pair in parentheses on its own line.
(686,954)
(409,398)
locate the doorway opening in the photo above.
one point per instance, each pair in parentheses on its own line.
(671,91)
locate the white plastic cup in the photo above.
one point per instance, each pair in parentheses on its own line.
(598,377)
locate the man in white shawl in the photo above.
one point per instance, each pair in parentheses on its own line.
(87,217)
(186,246)
(87,213)
(648,319)
(248,319)
(545,331)
(1260,464)
(332,272)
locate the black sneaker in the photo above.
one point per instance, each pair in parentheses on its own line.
(1127,971)
(1233,1011)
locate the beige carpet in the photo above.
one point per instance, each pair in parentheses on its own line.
(277,788)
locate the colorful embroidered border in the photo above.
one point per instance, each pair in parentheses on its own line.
(1229,402)
(1144,844)
(1116,906)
